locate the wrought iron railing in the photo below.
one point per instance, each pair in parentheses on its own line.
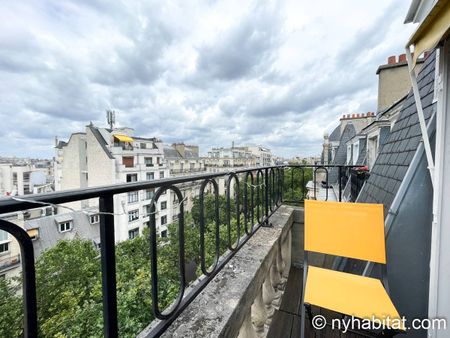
(264,189)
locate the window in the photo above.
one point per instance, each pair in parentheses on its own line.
(133,233)
(128,161)
(133,215)
(4,247)
(143,145)
(149,193)
(164,233)
(150,176)
(131,177)
(148,161)
(94,219)
(161,174)
(349,154)
(147,210)
(133,196)
(163,205)
(3,236)
(65,226)
(192,166)
(163,220)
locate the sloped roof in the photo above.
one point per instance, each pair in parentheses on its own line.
(49,234)
(341,153)
(395,156)
(98,136)
(171,152)
(335,134)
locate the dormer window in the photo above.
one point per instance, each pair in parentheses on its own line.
(94,219)
(65,226)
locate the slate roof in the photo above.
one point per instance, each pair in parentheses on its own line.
(396,155)
(49,233)
(341,153)
(171,152)
(335,134)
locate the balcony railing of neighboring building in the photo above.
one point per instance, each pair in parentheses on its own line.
(357,178)
(8,262)
(264,190)
(186,171)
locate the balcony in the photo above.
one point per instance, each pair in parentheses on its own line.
(251,289)
(9,262)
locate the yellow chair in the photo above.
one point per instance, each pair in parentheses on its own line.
(352,230)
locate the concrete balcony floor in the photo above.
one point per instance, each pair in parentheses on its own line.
(286,320)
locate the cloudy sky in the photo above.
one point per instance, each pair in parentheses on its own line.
(277,73)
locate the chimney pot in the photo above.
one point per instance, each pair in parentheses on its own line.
(392,60)
(402,58)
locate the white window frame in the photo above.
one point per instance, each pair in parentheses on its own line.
(133,196)
(165,218)
(94,219)
(148,161)
(65,226)
(150,174)
(133,215)
(135,233)
(4,244)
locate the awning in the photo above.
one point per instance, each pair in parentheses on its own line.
(33,232)
(433,29)
(123,138)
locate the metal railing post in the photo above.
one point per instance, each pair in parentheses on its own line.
(108,260)
(340,183)
(266,183)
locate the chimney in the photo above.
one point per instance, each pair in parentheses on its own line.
(402,58)
(392,60)
(232,144)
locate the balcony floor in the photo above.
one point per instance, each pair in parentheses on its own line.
(286,320)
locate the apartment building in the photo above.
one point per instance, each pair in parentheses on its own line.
(183,160)
(101,156)
(23,177)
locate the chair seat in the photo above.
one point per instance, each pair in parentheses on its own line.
(350,294)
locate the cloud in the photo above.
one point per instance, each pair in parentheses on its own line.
(277,73)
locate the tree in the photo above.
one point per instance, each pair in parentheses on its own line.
(68,283)
(11,309)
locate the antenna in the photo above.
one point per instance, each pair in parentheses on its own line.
(111,117)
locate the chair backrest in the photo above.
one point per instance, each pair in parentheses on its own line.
(353,230)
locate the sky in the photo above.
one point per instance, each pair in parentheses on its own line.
(271,73)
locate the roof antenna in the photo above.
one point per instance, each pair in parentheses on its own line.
(111,117)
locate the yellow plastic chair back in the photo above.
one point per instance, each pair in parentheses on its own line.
(352,230)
